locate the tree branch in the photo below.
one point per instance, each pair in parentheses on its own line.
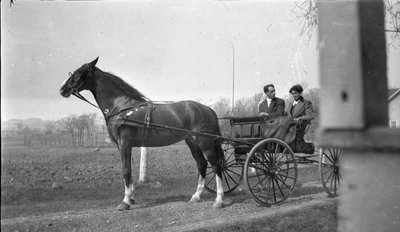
(307,13)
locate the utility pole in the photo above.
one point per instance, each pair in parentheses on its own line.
(233,77)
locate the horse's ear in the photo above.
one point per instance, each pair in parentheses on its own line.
(93,63)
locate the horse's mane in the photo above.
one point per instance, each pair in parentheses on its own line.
(127,88)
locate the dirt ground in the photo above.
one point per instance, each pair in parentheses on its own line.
(92,187)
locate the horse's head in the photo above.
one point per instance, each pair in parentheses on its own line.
(76,81)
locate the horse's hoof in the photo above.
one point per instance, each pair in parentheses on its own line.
(123,206)
(194,199)
(131,201)
(218,205)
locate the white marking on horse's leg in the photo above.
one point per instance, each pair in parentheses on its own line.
(129,194)
(200,188)
(220,193)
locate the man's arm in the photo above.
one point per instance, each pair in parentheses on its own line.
(261,109)
(280,109)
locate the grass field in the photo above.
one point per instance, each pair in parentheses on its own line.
(91,180)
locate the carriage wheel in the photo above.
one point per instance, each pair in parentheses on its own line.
(270,172)
(329,170)
(232,171)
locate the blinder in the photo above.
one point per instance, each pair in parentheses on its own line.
(75,90)
(85,74)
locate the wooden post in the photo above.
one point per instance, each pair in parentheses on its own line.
(354,113)
(143,164)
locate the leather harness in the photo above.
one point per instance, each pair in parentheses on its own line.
(125,115)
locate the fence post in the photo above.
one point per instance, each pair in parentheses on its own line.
(143,164)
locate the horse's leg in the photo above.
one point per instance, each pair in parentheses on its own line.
(215,156)
(201,166)
(126,152)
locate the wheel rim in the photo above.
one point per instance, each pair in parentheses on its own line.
(270,172)
(232,171)
(329,167)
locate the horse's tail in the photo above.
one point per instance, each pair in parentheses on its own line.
(218,143)
(219,151)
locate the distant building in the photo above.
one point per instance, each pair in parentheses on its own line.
(394,108)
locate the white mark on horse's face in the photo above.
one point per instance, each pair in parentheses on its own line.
(64,89)
(64,82)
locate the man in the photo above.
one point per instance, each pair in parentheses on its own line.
(301,111)
(271,107)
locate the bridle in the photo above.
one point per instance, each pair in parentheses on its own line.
(75,92)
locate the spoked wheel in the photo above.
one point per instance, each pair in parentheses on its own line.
(329,170)
(270,172)
(232,171)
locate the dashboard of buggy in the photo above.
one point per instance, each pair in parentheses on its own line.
(246,127)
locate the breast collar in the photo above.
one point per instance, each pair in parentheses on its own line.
(147,103)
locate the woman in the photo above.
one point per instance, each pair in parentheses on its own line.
(301,111)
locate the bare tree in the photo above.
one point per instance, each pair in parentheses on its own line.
(247,106)
(82,125)
(19,125)
(313,96)
(92,118)
(306,12)
(253,103)
(222,108)
(243,107)
(69,124)
(392,10)
(50,127)
(240,108)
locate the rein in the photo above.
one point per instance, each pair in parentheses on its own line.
(78,95)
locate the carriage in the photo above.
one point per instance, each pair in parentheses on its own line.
(268,165)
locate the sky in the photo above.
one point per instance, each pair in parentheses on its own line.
(168,50)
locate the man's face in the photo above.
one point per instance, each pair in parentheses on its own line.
(270,93)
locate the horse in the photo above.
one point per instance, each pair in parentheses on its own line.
(115,97)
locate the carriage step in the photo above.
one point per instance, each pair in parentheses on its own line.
(305,156)
(305,161)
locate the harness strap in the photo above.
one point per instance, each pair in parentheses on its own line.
(123,110)
(147,119)
(78,95)
(145,123)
